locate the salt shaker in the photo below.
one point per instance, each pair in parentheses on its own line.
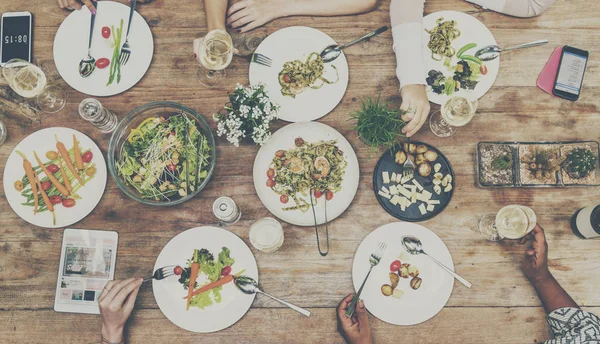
(91,110)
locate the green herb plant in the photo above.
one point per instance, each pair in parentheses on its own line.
(377,125)
(502,162)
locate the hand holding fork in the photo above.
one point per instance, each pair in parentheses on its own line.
(374,259)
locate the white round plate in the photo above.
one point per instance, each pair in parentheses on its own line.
(415,306)
(471,31)
(71,45)
(43,141)
(296,43)
(169,293)
(284,139)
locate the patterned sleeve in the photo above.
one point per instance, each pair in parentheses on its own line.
(573,326)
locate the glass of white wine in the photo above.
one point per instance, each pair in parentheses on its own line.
(456,112)
(511,222)
(216,52)
(29,81)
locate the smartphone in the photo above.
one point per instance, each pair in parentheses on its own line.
(15,32)
(570,73)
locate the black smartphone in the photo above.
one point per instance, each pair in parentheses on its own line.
(15,32)
(570,73)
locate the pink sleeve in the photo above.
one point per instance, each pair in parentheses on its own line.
(407,29)
(517,8)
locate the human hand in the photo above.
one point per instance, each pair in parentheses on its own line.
(535,263)
(355,330)
(415,106)
(76,4)
(116,303)
(247,15)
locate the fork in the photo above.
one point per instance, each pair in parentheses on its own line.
(162,273)
(125,50)
(261,59)
(312,204)
(408,169)
(374,259)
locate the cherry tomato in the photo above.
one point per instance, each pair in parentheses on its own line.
(226,271)
(286,78)
(280,154)
(270,183)
(483,69)
(284,199)
(105,32)
(318,194)
(52,168)
(395,266)
(178,270)
(270,173)
(51,155)
(172,167)
(46,185)
(68,203)
(87,156)
(56,199)
(328,195)
(102,63)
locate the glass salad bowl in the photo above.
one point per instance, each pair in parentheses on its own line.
(162,154)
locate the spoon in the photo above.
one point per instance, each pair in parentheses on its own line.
(414,246)
(493,51)
(88,64)
(249,286)
(333,51)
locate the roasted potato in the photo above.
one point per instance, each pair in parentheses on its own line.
(412,148)
(403,272)
(416,283)
(394,278)
(422,149)
(431,156)
(387,290)
(411,157)
(420,159)
(413,271)
(400,157)
(424,169)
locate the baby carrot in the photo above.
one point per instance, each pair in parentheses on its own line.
(64,175)
(77,153)
(195,267)
(49,204)
(65,155)
(217,283)
(31,177)
(63,190)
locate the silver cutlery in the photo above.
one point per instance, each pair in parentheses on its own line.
(374,259)
(408,168)
(162,273)
(493,51)
(249,286)
(88,64)
(415,247)
(261,60)
(333,51)
(312,205)
(125,49)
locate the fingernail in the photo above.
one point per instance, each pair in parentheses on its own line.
(361,304)
(94,11)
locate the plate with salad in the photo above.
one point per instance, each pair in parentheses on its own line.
(450,41)
(305,88)
(54,177)
(108,77)
(202,296)
(306,164)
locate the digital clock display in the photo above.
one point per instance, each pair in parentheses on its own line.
(16,40)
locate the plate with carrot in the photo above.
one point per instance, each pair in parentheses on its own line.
(54,177)
(202,296)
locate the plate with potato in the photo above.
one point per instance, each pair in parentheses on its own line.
(421,197)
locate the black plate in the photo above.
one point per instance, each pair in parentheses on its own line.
(412,214)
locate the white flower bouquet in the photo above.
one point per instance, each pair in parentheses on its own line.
(248,113)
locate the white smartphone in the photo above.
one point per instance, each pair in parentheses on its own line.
(15,31)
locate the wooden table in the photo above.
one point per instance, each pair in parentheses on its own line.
(501,307)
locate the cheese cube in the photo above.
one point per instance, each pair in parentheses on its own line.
(430,207)
(386,177)
(413,198)
(427,194)
(393,179)
(383,194)
(395,200)
(417,184)
(433,201)
(422,209)
(404,192)
(384,189)
(393,190)
(405,180)
(403,207)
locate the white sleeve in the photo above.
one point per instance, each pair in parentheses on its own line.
(408,46)
(517,8)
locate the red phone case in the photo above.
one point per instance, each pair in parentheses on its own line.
(548,75)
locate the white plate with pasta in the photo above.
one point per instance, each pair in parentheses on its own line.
(309,89)
(450,55)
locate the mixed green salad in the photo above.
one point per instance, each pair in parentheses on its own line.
(165,158)
(318,166)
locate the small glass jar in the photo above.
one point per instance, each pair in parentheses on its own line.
(3,133)
(266,235)
(91,110)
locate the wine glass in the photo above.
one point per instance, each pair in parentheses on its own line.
(216,52)
(456,112)
(29,81)
(511,222)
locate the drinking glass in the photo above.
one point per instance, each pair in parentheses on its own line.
(511,222)
(29,81)
(3,133)
(216,52)
(266,235)
(456,112)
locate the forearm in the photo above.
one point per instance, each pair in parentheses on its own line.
(215,13)
(517,8)
(326,8)
(112,335)
(407,30)
(551,294)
